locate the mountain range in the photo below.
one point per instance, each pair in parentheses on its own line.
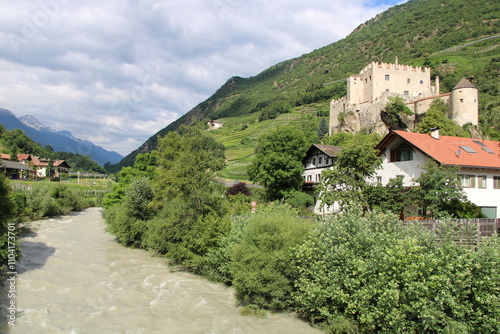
(455,38)
(58,140)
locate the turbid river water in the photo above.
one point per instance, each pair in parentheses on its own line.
(74,278)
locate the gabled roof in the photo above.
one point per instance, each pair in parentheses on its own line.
(331,151)
(41,163)
(448,150)
(15,165)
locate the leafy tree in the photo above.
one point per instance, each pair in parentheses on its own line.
(437,186)
(435,117)
(137,197)
(393,112)
(389,198)
(189,202)
(322,128)
(7,211)
(278,161)
(346,183)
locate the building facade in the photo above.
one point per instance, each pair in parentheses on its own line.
(317,159)
(405,153)
(369,91)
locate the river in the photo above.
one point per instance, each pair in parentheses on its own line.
(74,278)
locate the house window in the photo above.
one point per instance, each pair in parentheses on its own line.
(481,181)
(387,77)
(467,181)
(314,161)
(320,160)
(318,177)
(496,182)
(327,161)
(379,179)
(403,153)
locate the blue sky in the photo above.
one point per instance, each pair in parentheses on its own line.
(115,72)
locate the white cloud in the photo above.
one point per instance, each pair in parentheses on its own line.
(116,72)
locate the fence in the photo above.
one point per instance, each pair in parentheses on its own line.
(474,229)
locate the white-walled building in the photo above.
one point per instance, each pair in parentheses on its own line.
(404,153)
(317,159)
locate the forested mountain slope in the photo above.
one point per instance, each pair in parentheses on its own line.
(434,33)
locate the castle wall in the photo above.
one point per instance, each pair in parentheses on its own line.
(369,92)
(464,106)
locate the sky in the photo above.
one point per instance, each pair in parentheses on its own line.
(115,72)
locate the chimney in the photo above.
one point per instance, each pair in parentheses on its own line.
(435,133)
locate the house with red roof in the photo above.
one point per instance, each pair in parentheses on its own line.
(41,165)
(404,154)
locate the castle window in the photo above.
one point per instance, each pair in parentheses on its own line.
(408,81)
(387,77)
(421,82)
(403,153)
(461,100)
(406,94)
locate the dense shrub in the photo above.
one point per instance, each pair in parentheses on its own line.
(260,261)
(238,188)
(376,275)
(127,229)
(45,200)
(300,200)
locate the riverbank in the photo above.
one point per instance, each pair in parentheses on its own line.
(74,277)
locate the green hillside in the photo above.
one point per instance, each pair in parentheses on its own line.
(456,38)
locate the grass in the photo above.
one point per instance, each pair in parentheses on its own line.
(240,135)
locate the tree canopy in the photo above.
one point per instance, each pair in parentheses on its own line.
(278,161)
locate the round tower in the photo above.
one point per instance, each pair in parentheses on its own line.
(463,104)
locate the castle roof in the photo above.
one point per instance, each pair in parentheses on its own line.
(464,83)
(449,150)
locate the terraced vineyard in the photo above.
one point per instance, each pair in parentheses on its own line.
(240,135)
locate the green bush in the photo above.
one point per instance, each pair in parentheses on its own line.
(381,276)
(260,261)
(300,200)
(127,230)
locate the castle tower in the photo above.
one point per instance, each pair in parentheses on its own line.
(463,105)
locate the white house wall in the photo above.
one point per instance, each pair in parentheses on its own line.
(410,170)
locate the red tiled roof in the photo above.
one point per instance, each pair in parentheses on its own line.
(448,150)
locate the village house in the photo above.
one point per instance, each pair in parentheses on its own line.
(404,154)
(318,158)
(16,169)
(369,92)
(41,165)
(214,125)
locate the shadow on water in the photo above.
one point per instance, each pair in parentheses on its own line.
(35,255)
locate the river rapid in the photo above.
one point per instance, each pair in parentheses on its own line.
(74,278)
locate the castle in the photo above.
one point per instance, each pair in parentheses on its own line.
(370,90)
